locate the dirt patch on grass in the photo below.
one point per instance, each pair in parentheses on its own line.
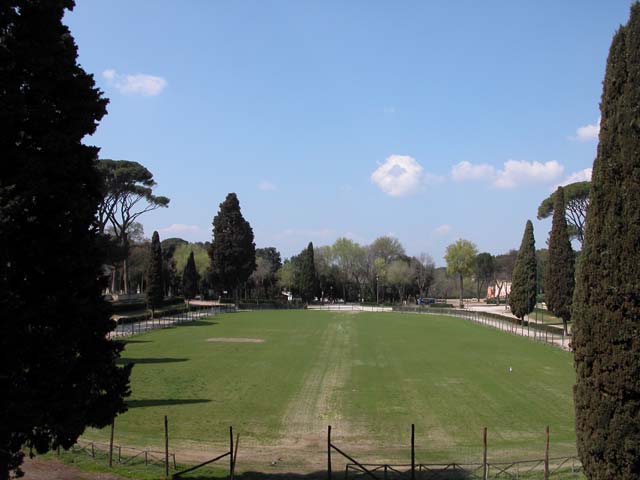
(235,340)
(320,402)
(50,469)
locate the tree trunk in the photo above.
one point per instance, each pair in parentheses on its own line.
(125,270)
(113,280)
(499,292)
(461,290)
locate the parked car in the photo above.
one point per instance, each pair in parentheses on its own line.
(425,301)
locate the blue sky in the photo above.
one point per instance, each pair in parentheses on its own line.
(429,121)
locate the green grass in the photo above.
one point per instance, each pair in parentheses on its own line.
(369,375)
(544,316)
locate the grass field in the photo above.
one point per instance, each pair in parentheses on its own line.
(369,375)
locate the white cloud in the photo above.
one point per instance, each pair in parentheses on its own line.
(520,172)
(180,228)
(467,171)
(587,132)
(132,84)
(514,173)
(266,186)
(579,176)
(390,110)
(401,175)
(443,229)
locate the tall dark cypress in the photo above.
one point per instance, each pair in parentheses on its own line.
(606,315)
(307,279)
(559,280)
(190,278)
(155,285)
(522,298)
(232,251)
(58,373)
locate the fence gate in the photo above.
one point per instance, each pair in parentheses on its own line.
(232,454)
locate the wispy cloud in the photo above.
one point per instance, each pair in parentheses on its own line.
(181,229)
(587,132)
(465,171)
(443,229)
(389,110)
(305,233)
(402,175)
(135,84)
(266,186)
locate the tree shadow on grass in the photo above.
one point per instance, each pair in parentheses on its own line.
(322,475)
(141,361)
(164,402)
(196,323)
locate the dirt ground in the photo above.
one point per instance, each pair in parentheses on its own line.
(50,469)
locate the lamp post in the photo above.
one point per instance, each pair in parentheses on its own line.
(377,292)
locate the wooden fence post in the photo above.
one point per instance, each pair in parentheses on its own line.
(413,452)
(231,453)
(166,447)
(485,467)
(546,456)
(235,453)
(111,444)
(329,453)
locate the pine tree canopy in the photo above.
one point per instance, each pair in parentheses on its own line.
(606,312)
(576,201)
(57,366)
(522,298)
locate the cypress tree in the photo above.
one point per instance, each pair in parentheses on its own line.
(522,298)
(190,278)
(58,371)
(559,279)
(232,251)
(606,315)
(155,285)
(307,278)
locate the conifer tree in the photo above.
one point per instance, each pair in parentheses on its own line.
(190,278)
(155,285)
(559,278)
(232,251)
(58,373)
(606,314)
(307,279)
(522,298)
